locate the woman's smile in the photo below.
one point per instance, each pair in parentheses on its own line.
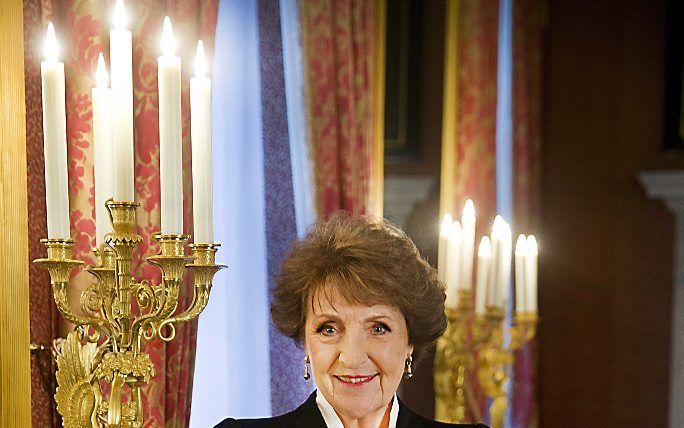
(355,381)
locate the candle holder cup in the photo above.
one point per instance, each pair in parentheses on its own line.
(105,347)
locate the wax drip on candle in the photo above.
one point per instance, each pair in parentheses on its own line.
(120,16)
(101,75)
(168,41)
(51,47)
(200,61)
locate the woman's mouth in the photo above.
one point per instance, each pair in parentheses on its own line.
(355,380)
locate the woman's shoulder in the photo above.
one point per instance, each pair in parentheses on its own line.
(253,423)
(287,420)
(409,419)
(306,415)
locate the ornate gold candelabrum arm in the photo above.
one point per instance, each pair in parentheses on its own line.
(204,268)
(453,358)
(112,326)
(496,359)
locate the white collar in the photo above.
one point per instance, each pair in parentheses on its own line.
(332,420)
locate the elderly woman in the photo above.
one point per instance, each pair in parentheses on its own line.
(363,303)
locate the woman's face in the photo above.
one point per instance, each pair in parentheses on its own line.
(357,353)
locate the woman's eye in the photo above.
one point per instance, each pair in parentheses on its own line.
(380,329)
(326,330)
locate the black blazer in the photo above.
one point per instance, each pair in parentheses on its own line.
(308,416)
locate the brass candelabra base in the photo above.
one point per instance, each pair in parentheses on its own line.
(453,358)
(468,335)
(496,359)
(116,314)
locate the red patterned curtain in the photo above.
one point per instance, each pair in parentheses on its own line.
(82,28)
(475,145)
(528,25)
(472,173)
(339,44)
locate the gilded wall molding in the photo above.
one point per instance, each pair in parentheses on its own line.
(15,380)
(450,110)
(379,108)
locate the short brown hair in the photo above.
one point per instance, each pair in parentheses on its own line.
(375,261)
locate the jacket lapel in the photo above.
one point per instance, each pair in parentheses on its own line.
(408,419)
(307,415)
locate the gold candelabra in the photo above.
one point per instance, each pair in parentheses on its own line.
(496,358)
(453,358)
(483,335)
(105,347)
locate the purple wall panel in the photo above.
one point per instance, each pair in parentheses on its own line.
(288,388)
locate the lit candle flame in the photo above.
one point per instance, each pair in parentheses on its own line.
(521,245)
(120,17)
(168,41)
(101,74)
(532,245)
(485,250)
(446,225)
(200,61)
(497,226)
(469,209)
(51,47)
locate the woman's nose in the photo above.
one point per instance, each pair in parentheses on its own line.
(353,350)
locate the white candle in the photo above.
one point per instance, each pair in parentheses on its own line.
(453,261)
(484,255)
(468,245)
(102,136)
(520,282)
(505,269)
(170,139)
(54,140)
(531,274)
(494,264)
(200,128)
(120,53)
(444,233)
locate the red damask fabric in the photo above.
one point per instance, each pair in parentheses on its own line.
(82,28)
(475,175)
(338,39)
